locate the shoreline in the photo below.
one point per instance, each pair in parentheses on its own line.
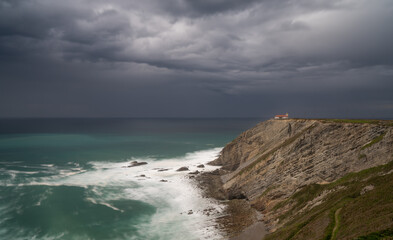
(240,220)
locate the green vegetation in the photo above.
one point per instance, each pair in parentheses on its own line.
(330,227)
(360,121)
(336,223)
(345,211)
(374,141)
(301,197)
(300,227)
(384,234)
(367,121)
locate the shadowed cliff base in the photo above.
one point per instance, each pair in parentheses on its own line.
(310,177)
(240,220)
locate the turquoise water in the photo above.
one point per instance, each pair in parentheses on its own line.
(68,179)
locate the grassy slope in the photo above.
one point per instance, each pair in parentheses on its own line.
(357,121)
(361,121)
(344,213)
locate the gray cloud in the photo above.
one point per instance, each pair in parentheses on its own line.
(195,58)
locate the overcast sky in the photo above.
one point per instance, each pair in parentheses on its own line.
(196,58)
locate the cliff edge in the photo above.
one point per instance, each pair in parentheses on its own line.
(272,163)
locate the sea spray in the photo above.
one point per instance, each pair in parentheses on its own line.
(69,178)
(108,187)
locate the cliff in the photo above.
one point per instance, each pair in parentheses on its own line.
(277,161)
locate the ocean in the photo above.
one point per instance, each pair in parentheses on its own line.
(69,178)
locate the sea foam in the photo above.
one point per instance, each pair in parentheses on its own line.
(171,192)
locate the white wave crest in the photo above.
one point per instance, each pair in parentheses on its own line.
(156,183)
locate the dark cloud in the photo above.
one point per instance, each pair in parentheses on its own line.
(195,58)
(204,7)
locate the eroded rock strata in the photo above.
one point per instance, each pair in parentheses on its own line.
(269,163)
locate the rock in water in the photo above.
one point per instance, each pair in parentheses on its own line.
(136,163)
(162,169)
(182,169)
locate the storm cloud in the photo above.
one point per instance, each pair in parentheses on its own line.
(196,58)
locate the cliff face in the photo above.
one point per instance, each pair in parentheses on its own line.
(277,158)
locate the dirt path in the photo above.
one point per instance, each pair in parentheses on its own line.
(336,223)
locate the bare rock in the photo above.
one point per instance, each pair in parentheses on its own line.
(366,189)
(136,163)
(182,169)
(163,169)
(268,163)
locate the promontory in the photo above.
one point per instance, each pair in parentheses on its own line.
(308,179)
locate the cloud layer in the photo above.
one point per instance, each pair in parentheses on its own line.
(196,58)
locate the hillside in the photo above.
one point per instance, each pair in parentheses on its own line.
(314,179)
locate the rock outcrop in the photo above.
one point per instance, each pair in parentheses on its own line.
(270,162)
(182,169)
(136,164)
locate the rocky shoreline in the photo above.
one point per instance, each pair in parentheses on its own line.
(240,220)
(277,171)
